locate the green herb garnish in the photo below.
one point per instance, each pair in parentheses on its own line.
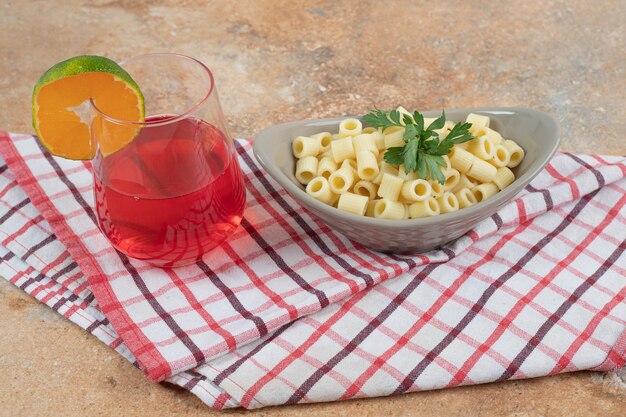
(423,149)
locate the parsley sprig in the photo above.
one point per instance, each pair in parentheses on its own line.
(423,149)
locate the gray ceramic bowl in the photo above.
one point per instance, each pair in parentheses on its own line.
(535,131)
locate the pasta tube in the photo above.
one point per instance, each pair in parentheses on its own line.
(426,208)
(371,206)
(504,178)
(416,190)
(325,167)
(448,202)
(341,180)
(306,169)
(364,142)
(478,119)
(482,171)
(342,149)
(390,187)
(353,203)
(388,209)
(464,182)
(366,188)
(350,127)
(481,147)
(324,140)
(452,179)
(501,156)
(305,146)
(367,165)
(460,159)
(516,152)
(465,197)
(437,188)
(394,139)
(412,175)
(385,168)
(484,191)
(319,189)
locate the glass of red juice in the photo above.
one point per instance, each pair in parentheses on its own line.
(176,190)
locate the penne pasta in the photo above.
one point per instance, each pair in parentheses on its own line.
(371,206)
(426,208)
(516,153)
(352,203)
(484,191)
(379,140)
(416,190)
(324,139)
(448,202)
(350,127)
(412,175)
(460,159)
(388,209)
(482,171)
(390,187)
(342,149)
(366,188)
(367,165)
(452,179)
(394,139)
(385,168)
(305,146)
(501,156)
(495,137)
(392,129)
(504,178)
(306,169)
(347,170)
(437,188)
(482,147)
(465,197)
(365,142)
(406,211)
(477,130)
(326,166)
(341,180)
(326,154)
(349,164)
(464,182)
(319,189)
(478,119)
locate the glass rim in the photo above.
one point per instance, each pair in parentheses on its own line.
(169,119)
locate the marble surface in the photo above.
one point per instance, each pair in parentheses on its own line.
(276,61)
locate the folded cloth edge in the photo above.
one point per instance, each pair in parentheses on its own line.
(148,357)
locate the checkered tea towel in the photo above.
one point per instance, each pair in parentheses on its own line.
(288,311)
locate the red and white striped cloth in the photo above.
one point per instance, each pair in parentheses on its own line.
(288,311)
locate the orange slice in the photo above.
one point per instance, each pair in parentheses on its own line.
(65,121)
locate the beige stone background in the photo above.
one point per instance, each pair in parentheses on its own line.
(276,61)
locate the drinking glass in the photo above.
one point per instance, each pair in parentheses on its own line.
(175,191)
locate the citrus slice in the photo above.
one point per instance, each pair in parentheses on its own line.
(63,118)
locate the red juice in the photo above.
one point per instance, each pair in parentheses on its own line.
(174,193)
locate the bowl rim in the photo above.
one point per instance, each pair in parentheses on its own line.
(300,195)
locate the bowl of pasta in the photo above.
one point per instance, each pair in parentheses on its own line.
(407,182)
